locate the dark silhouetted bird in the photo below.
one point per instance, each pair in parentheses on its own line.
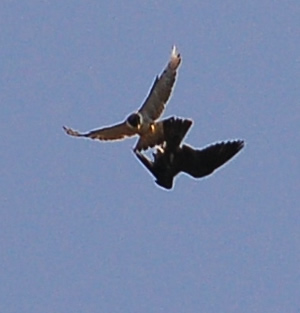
(171,158)
(143,122)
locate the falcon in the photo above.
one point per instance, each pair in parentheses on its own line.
(171,158)
(143,122)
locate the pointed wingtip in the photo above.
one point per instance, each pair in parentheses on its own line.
(71,132)
(175,52)
(175,58)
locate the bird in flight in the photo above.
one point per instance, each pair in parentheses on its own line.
(143,122)
(171,158)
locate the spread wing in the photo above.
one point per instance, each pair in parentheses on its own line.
(175,130)
(115,132)
(161,90)
(200,163)
(155,136)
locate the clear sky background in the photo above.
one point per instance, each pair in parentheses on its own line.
(83,227)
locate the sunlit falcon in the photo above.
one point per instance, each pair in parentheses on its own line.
(144,122)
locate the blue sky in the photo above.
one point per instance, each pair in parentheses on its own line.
(83,227)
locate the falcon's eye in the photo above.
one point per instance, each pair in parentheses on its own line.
(134,120)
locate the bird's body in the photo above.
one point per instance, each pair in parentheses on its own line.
(143,122)
(173,158)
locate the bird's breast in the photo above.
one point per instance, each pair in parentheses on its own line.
(146,129)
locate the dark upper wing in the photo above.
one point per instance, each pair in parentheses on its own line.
(161,89)
(199,163)
(115,132)
(175,130)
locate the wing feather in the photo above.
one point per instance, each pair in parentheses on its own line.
(200,163)
(175,130)
(115,132)
(161,89)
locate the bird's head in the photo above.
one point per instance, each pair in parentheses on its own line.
(135,120)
